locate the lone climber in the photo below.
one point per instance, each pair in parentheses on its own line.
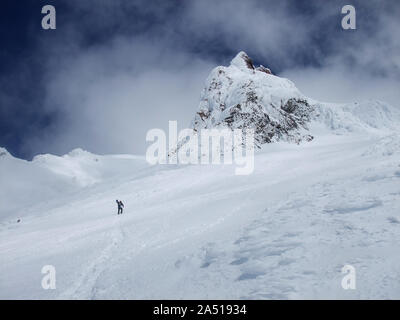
(120,206)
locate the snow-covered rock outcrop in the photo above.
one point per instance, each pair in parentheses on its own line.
(242,96)
(3,152)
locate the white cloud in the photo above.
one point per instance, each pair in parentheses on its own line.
(109,97)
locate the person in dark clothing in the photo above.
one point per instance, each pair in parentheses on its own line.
(120,206)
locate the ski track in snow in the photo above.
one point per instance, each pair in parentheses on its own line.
(85,287)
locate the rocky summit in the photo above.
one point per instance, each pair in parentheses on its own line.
(242,96)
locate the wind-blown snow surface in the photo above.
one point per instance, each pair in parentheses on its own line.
(284,231)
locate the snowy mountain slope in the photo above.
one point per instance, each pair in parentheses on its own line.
(283,232)
(368,117)
(47,177)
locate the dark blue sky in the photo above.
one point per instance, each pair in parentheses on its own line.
(35,64)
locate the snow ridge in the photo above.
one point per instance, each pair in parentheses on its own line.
(4,152)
